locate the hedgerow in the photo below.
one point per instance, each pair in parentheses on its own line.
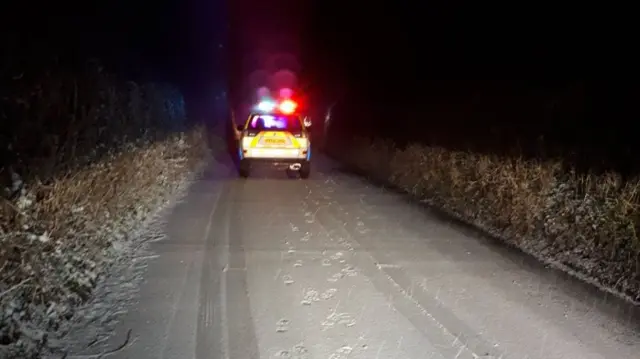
(87,158)
(586,224)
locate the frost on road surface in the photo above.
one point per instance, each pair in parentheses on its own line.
(335,268)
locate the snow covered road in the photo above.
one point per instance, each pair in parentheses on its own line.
(334,268)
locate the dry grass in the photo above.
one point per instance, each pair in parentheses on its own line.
(57,237)
(586,224)
(90,158)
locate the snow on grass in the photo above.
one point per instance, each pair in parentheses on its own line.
(58,242)
(585,225)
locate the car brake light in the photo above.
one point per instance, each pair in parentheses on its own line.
(246,143)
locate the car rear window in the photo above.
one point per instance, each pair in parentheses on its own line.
(275,123)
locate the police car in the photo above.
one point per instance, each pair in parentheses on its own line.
(275,135)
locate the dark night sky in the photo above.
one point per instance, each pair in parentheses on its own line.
(394,39)
(396,56)
(397,46)
(157,36)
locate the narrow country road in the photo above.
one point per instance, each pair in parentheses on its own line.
(333,268)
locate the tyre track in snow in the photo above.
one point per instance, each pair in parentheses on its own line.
(333,267)
(496,300)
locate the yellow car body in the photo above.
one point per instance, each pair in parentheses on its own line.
(283,142)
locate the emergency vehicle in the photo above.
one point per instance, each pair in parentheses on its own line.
(275,134)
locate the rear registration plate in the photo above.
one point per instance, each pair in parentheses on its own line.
(274,141)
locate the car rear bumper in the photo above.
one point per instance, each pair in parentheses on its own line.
(274,161)
(275,155)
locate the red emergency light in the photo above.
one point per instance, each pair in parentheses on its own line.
(288,106)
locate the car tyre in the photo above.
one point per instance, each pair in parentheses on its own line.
(291,173)
(305,170)
(244,169)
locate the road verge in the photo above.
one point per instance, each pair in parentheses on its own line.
(584,225)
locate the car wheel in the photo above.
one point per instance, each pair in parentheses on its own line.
(305,170)
(291,173)
(244,169)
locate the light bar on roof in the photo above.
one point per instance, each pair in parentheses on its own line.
(266,106)
(288,106)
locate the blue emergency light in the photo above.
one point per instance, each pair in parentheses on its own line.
(266,106)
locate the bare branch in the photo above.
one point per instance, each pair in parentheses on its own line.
(15,287)
(126,342)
